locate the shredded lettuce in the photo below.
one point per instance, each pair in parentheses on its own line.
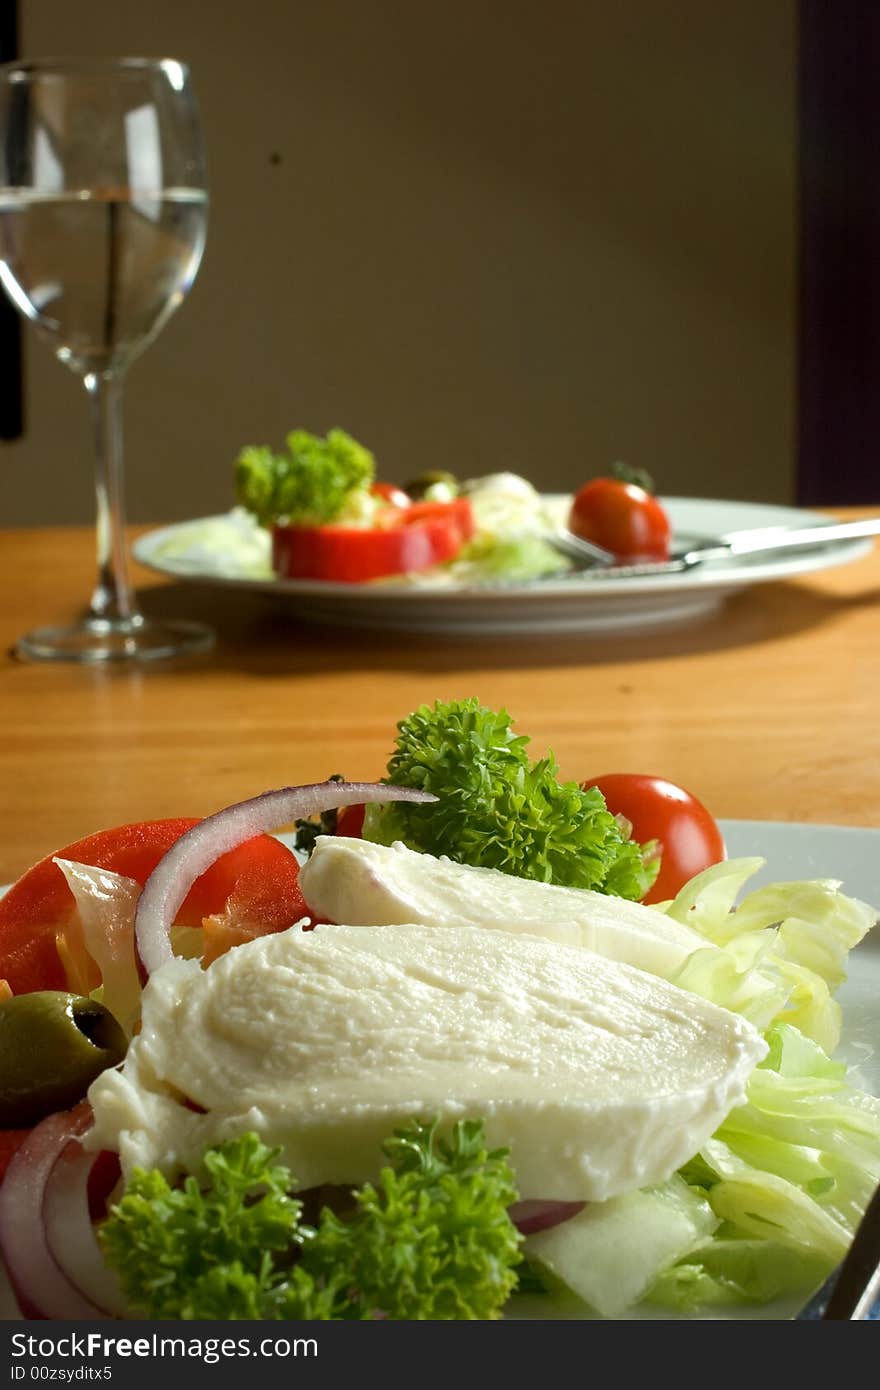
(610,1253)
(234,546)
(789,1173)
(737,1271)
(506,558)
(780,955)
(764,1211)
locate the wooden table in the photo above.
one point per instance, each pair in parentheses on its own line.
(770,711)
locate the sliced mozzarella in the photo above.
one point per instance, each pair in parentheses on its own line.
(369,885)
(598,1077)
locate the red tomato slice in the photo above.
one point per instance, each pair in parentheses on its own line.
(255,885)
(408,538)
(350,821)
(690,840)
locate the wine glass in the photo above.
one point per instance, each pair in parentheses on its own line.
(103,211)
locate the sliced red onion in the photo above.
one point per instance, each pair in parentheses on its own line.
(532,1216)
(40,1286)
(70,1234)
(200,847)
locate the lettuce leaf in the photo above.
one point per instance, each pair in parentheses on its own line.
(610,1253)
(780,955)
(506,559)
(789,1174)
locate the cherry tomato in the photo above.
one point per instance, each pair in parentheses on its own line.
(659,810)
(623,518)
(254,885)
(350,821)
(392,494)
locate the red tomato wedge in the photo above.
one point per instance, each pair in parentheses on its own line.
(350,821)
(250,891)
(408,538)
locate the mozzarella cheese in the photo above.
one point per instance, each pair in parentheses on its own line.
(366,884)
(598,1077)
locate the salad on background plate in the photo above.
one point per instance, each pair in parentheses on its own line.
(317,512)
(464,1052)
(467,556)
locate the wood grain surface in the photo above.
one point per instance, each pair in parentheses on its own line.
(768,711)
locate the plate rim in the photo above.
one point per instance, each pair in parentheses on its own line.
(708,581)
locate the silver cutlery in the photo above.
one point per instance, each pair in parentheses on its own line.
(764,542)
(852,1292)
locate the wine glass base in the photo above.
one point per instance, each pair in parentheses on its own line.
(100,640)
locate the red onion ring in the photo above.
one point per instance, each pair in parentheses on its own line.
(39,1284)
(70,1234)
(197,849)
(529,1217)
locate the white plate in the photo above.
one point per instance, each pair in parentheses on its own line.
(792,851)
(554,606)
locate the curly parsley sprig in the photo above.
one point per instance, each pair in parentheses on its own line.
(309,485)
(431,1240)
(498,809)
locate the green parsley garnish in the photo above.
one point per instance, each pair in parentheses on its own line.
(432,1240)
(309,485)
(498,809)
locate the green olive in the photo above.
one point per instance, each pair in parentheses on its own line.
(52,1046)
(434,486)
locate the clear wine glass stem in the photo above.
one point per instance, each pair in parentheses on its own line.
(103,210)
(112,597)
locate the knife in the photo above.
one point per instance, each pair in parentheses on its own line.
(765,541)
(853,1291)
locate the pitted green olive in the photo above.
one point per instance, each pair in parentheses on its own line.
(52,1046)
(434,486)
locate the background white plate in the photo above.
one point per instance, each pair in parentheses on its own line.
(552,606)
(792,851)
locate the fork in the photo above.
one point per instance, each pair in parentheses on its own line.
(736,544)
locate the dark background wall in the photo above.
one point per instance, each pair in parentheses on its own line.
(480,235)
